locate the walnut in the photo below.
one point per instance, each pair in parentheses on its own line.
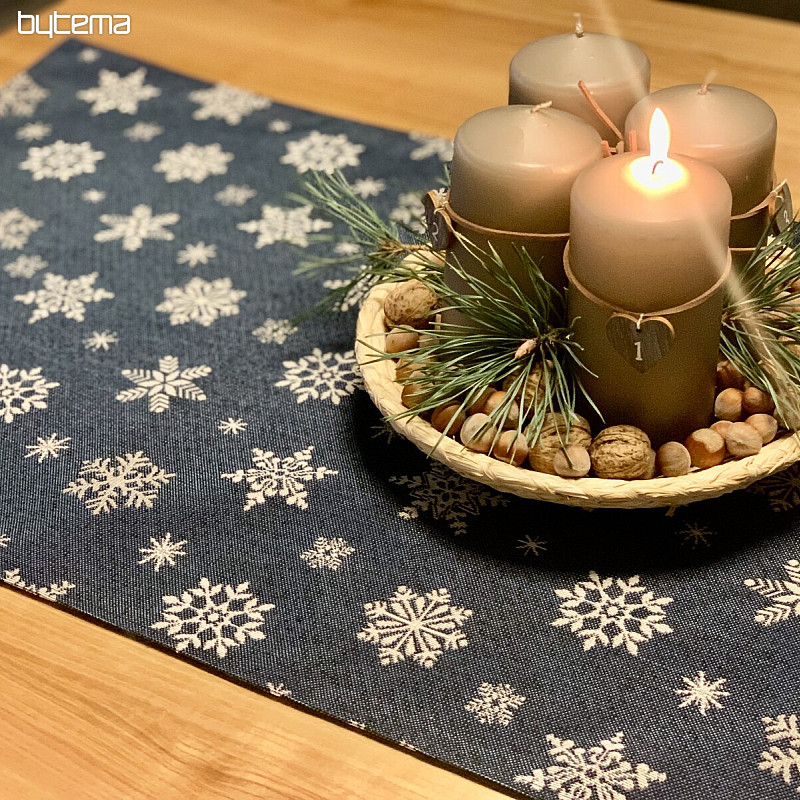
(409,303)
(534,388)
(553,438)
(621,451)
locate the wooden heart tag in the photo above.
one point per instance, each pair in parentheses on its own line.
(641,341)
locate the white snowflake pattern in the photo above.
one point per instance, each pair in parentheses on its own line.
(232,426)
(596,773)
(785,595)
(25,266)
(34,131)
(213,617)
(531,546)
(353,297)
(45,448)
(278,689)
(624,608)
(782,489)
(199,253)
(383,430)
(100,340)
(233,195)
(60,295)
(21,96)
(283,225)
(93,196)
(273,476)
(5,539)
(419,627)
(409,212)
(495,704)
(274,331)
(322,152)
(62,160)
(226,102)
(368,187)
(201,301)
(16,227)
(162,551)
(117,93)
(327,553)
(347,248)
(88,55)
(279,126)
(446,496)
(132,478)
(322,376)
(51,592)
(428,146)
(701,692)
(193,162)
(143,131)
(22,390)
(159,385)
(778,761)
(135,228)
(695,535)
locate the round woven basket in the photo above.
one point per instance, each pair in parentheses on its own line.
(379,380)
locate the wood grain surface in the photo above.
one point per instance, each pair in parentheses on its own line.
(88,713)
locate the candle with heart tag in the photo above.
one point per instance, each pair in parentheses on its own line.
(647,265)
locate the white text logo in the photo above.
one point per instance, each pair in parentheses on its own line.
(73,24)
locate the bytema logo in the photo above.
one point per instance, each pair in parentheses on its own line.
(73,24)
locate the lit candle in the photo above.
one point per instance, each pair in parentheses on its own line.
(615,71)
(648,258)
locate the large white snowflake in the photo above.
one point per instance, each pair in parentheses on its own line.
(419,627)
(159,385)
(162,551)
(213,617)
(283,225)
(785,595)
(51,592)
(274,331)
(193,162)
(49,447)
(60,295)
(142,131)
(594,774)
(22,390)
(701,692)
(322,152)
(322,376)
(782,489)
(494,704)
(131,478)
(16,227)
(233,195)
(62,160)
(25,266)
(409,212)
(327,553)
(201,301)
(777,760)
(100,340)
(612,612)
(134,229)
(428,146)
(198,253)
(20,96)
(34,131)
(273,476)
(117,93)
(446,496)
(226,102)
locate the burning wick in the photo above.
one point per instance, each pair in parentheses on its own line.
(658,171)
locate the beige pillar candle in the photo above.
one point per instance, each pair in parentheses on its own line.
(616,72)
(649,235)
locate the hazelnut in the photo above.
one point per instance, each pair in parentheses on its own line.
(409,303)
(620,451)
(479,400)
(673,460)
(572,461)
(754,401)
(706,447)
(742,440)
(553,436)
(494,400)
(511,447)
(765,424)
(477,433)
(533,387)
(728,377)
(721,426)
(728,405)
(448,419)
(399,340)
(404,368)
(415,391)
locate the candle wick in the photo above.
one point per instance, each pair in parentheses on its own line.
(708,79)
(540,106)
(578,25)
(655,166)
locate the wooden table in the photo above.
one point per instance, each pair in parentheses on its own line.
(88,713)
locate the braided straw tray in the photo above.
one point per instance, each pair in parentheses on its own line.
(379,380)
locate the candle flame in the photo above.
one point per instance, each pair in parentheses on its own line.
(659,139)
(658,172)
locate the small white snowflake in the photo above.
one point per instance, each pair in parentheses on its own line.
(279,126)
(785,595)
(283,225)
(25,266)
(226,102)
(93,196)
(327,553)
(216,617)
(4,539)
(278,689)
(162,551)
(694,535)
(322,376)
(368,187)
(383,430)
(409,212)
(778,761)
(88,55)
(62,160)
(701,692)
(494,704)
(274,331)
(21,96)
(201,301)
(322,152)
(51,592)
(782,489)
(409,625)
(194,254)
(159,385)
(273,476)
(143,131)
(232,426)
(134,229)
(132,478)
(100,340)
(626,610)
(353,297)
(428,146)
(50,447)
(16,227)
(347,248)
(233,195)
(117,93)
(447,497)
(34,131)
(531,546)
(193,162)
(60,295)
(22,390)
